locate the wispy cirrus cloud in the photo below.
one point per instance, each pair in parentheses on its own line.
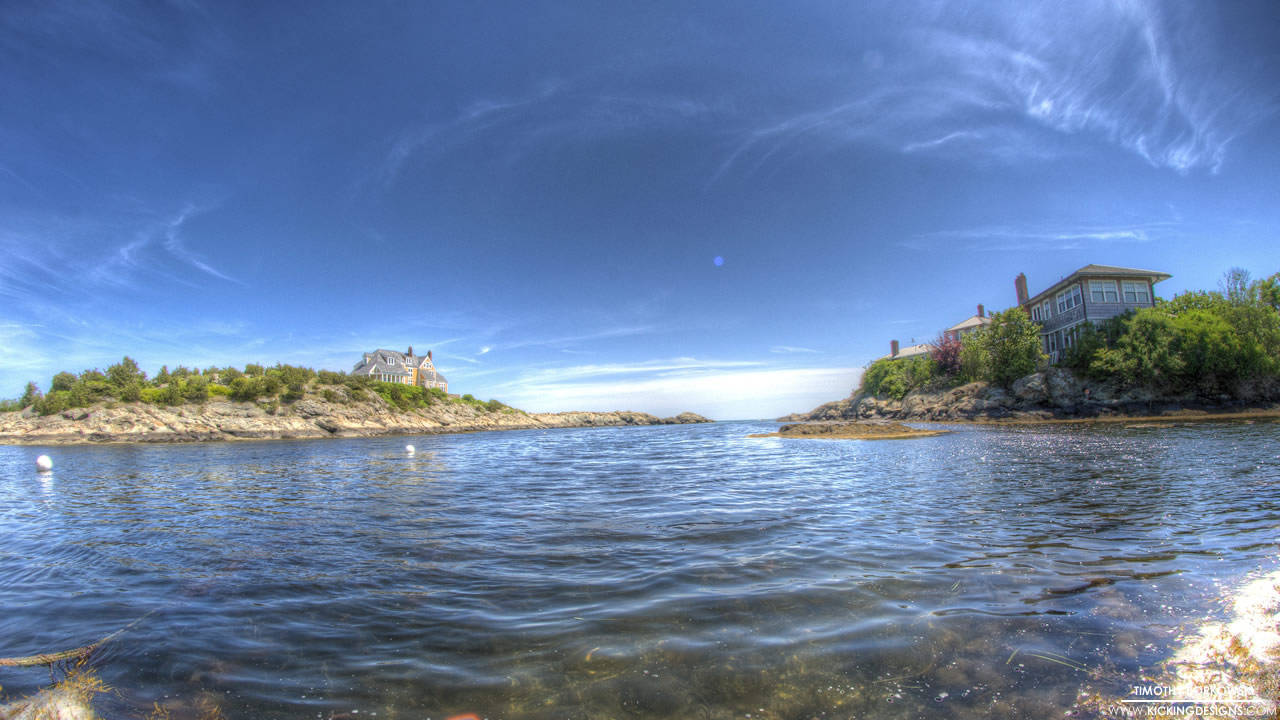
(157,248)
(998,238)
(790,349)
(556,113)
(1016,81)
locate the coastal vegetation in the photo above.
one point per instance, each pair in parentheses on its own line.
(269,386)
(1206,343)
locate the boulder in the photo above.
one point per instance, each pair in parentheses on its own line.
(1031,389)
(1065,391)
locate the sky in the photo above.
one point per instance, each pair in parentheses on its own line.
(723,207)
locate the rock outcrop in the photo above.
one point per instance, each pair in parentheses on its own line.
(1055,393)
(310,417)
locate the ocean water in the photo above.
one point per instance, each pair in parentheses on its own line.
(656,572)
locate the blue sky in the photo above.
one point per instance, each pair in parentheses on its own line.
(539,192)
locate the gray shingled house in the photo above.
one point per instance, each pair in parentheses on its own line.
(1091,294)
(397,367)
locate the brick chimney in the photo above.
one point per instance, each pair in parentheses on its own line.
(428,356)
(981,311)
(410,353)
(893,348)
(1020,283)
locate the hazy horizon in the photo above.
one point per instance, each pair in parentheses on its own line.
(726,208)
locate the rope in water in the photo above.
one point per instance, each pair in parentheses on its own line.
(73,654)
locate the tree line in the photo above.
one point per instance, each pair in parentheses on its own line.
(126,382)
(1205,342)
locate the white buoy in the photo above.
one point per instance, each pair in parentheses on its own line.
(44,463)
(408,449)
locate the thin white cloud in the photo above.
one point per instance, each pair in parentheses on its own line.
(1005,238)
(155,249)
(789,349)
(724,394)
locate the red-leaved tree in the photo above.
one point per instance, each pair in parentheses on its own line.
(946,354)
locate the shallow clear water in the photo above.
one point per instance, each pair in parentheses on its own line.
(676,571)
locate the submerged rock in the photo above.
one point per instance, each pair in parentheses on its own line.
(68,700)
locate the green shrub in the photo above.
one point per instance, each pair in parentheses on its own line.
(401,396)
(896,378)
(172,394)
(873,377)
(329,377)
(63,381)
(55,402)
(13,405)
(245,389)
(196,389)
(155,396)
(329,395)
(216,390)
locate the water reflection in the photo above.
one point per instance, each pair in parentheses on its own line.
(638,572)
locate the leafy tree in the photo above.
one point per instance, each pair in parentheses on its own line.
(945,352)
(1268,292)
(30,395)
(1013,344)
(162,377)
(63,381)
(1147,352)
(1236,287)
(125,374)
(1003,351)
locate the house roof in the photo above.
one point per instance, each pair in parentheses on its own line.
(392,362)
(975,321)
(910,351)
(1089,271)
(432,375)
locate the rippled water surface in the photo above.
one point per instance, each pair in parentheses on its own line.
(678,571)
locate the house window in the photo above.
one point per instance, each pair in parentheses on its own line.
(1103,291)
(1044,310)
(1035,314)
(1068,298)
(1136,292)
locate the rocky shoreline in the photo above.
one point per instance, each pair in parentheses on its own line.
(312,417)
(879,430)
(1054,394)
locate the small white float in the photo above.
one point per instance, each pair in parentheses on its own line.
(44,463)
(408,449)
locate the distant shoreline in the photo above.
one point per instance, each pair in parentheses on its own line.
(221,420)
